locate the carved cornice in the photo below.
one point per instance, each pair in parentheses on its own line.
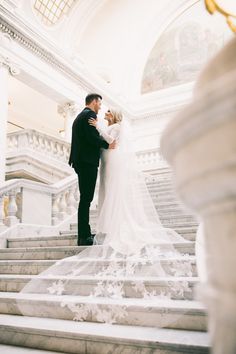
(17,36)
(29,44)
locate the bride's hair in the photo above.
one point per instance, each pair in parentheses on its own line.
(117,115)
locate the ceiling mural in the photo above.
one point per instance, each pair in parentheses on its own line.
(183,48)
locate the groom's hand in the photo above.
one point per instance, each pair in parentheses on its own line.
(112,145)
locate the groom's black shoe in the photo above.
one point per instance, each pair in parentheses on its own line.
(88,241)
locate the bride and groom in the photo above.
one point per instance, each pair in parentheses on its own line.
(85,154)
(130,241)
(127,219)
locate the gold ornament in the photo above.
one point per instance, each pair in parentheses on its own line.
(212,6)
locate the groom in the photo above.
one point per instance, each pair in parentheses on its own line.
(84,158)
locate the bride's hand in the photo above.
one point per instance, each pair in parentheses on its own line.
(92,122)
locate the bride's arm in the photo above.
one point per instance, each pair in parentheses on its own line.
(112,136)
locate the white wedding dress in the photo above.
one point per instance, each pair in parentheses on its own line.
(127,219)
(131,245)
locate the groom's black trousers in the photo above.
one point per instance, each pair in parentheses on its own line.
(87,175)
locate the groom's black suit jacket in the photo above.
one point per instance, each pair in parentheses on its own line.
(86,141)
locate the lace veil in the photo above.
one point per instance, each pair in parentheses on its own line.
(132,251)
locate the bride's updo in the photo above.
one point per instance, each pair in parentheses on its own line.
(117,115)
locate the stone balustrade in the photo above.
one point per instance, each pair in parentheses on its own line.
(59,149)
(29,202)
(26,201)
(9,205)
(37,141)
(150,159)
(65,201)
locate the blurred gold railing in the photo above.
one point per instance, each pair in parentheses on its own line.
(213,6)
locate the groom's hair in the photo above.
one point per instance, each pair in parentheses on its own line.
(92,96)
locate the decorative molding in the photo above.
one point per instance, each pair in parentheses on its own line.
(13,4)
(13,68)
(57,61)
(29,44)
(9,31)
(5,39)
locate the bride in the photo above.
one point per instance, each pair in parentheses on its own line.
(127,218)
(130,245)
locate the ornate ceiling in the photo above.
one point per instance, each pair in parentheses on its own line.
(113,42)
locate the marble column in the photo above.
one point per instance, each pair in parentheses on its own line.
(6,68)
(69,112)
(3,117)
(200,145)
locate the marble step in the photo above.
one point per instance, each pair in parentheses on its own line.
(171,205)
(160,190)
(169,211)
(189,233)
(60,252)
(11,349)
(33,267)
(154,177)
(163,198)
(177,222)
(183,219)
(159,180)
(160,185)
(40,252)
(176,314)
(27,267)
(188,236)
(164,172)
(65,239)
(178,288)
(156,190)
(165,204)
(174,214)
(42,241)
(97,338)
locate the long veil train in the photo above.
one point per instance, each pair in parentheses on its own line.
(132,247)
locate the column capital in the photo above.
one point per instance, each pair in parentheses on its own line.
(69,108)
(12,67)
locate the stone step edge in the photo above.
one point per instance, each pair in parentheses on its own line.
(80,248)
(60,237)
(42,249)
(177,306)
(115,334)
(89,279)
(42,238)
(4,262)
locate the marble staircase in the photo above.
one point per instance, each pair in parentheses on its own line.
(49,326)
